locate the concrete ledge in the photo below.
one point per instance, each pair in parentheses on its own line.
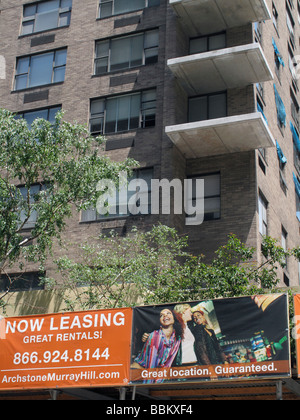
(222,69)
(239,133)
(201,17)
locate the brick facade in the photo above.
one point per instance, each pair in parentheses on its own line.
(242,174)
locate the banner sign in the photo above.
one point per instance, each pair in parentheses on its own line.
(296,332)
(78,349)
(236,338)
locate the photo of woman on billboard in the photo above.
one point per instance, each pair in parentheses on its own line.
(162,345)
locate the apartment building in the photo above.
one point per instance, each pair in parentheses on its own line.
(191,89)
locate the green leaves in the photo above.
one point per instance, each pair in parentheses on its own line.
(156,267)
(62,163)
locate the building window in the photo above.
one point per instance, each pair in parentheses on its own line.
(46,15)
(28,215)
(281,112)
(47,114)
(212,196)
(295,109)
(275,17)
(126,52)
(123,113)
(121,200)
(284,238)
(208,107)
(21,282)
(109,8)
(297,191)
(41,69)
(262,213)
(208,43)
(290,24)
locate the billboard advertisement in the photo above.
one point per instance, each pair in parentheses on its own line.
(296,332)
(215,340)
(235,338)
(78,349)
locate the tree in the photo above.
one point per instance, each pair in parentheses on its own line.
(46,171)
(156,267)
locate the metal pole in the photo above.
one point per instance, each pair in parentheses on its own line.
(122,394)
(279,391)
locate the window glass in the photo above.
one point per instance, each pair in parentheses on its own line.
(41,69)
(124,6)
(148,108)
(137,47)
(46,15)
(139,192)
(52,114)
(262,212)
(21,82)
(217,106)
(123,113)
(212,196)
(198,109)
(135,106)
(66,4)
(31,116)
(198,45)
(117,7)
(207,43)
(126,52)
(22,73)
(111,115)
(207,107)
(217,42)
(29,10)
(97,116)
(59,74)
(120,54)
(45,21)
(23,64)
(28,27)
(60,57)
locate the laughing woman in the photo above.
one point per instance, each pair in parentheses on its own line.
(162,345)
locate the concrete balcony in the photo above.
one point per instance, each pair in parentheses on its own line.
(219,136)
(201,17)
(223,69)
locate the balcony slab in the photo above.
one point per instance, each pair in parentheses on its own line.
(222,69)
(220,136)
(201,17)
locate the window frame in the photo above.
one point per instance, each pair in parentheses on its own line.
(208,96)
(101,116)
(208,41)
(137,174)
(14,282)
(22,114)
(209,216)
(33,18)
(147,3)
(263,214)
(109,48)
(31,221)
(28,73)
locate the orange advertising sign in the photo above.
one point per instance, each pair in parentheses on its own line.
(78,349)
(296,331)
